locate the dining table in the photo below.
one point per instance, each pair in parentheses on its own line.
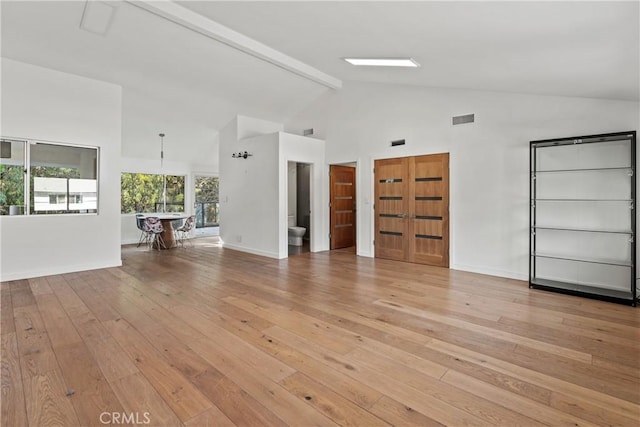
(167,224)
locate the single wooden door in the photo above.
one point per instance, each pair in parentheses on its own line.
(429,210)
(342,206)
(391,208)
(412,209)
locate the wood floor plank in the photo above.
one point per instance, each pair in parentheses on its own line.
(40,286)
(12,401)
(139,397)
(525,406)
(516,339)
(21,294)
(347,387)
(238,405)
(254,359)
(211,336)
(334,406)
(479,406)
(596,397)
(47,400)
(34,347)
(183,398)
(59,327)
(6,311)
(262,388)
(401,415)
(212,417)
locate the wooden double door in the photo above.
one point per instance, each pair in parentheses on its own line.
(412,209)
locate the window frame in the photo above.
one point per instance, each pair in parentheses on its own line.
(27,144)
(185,179)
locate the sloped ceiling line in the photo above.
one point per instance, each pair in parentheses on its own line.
(209,28)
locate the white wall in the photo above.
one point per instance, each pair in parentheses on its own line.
(248,187)
(43,104)
(489,160)
(253,191)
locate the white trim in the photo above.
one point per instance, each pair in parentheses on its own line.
(252,251)
(209,28)
(59,270)
(490,271)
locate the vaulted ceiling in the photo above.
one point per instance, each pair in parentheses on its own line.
(188,85)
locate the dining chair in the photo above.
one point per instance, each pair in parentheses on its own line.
(153,226)
(144,236)
(182,233)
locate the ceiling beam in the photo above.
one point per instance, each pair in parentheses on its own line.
(180,15)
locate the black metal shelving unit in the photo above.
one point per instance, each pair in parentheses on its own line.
(583,216)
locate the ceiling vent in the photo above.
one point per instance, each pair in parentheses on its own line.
(307,132)
(460,120)
(97,17)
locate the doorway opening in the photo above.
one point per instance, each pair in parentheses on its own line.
(299,207)
(206,205)
(342,207)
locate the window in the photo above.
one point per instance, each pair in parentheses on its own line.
(12,173)
(207,206)
(143,193)
(63,179)
(57,178)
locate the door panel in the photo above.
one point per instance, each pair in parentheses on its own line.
(391,207)
(342,206)
(429,225)
(412,209)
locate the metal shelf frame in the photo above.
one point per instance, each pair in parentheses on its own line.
(575,288)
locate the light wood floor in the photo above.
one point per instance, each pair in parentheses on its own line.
(205,336)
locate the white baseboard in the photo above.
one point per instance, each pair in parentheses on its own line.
(252,251)
(58,269)
(491,272)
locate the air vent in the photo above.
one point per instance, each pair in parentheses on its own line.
(467,118)
(398,142)
(307,132)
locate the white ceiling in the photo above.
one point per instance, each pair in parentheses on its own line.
(574,48)
(189,86)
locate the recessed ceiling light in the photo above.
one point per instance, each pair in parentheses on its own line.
(383,62)
(97,17)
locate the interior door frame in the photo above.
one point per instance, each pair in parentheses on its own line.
(372,191)
(358,218)
(283,246)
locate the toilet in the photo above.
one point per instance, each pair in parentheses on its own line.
(295,233)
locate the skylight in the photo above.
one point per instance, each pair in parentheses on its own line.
(383,62)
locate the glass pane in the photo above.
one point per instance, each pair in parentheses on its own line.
(207,207)
(11,177)
(64,179)
(143,193)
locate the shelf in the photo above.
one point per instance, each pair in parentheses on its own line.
(589,260)
(582,216)
(628,168)
(585,230)
(581,288)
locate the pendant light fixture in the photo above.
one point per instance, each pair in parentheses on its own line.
(164,177)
